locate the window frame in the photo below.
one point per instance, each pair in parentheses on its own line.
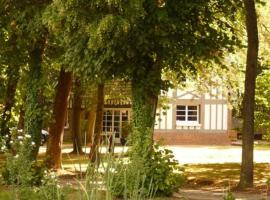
(186,115)
(122,113)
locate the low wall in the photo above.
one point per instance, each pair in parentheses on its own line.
(178,138)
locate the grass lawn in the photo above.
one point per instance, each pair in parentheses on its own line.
(223,175)
(198,176)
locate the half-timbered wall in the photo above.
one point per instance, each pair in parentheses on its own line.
(194,112)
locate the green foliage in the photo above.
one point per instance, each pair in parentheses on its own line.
(262,108)
(126,129)
(29,193)
(25,174)
(19,168)
(50,188)
(126,38)
(229,196)
(164,171)
(29,174)
(158,175)
(128,182)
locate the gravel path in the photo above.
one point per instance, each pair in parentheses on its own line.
(215,154)
(198,154)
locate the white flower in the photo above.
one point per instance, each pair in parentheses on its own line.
(53,175)
(17,156)
(20,142)
(20,137)
(33,143)
(3,148)
(11,142)
(12,128)
(28,136)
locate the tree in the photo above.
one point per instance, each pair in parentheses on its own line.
(13,75)
(13,57)
(246,175)
(76,116)
(94,151)
(31,35)
(34,97)
(56,131)
(161,35)
(138,40)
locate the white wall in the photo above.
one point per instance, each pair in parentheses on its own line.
(214,111)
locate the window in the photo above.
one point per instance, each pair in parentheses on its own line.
(113,120)
(187,114)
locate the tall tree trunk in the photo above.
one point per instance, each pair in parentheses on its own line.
(34,97)
(21,118)
(90,126)
(246,175)
(76,118)
(144,108)
(56,130)
(145,91)
(94,153)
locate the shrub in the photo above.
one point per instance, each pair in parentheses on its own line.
(229,196)
(164,172)
(158,174)
(19,168)
(26,174)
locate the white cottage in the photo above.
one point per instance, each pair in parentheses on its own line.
(194,118)
(190,117)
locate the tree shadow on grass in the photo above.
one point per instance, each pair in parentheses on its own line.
(223,175)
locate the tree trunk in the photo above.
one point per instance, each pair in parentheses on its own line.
(94,153)
(144,108)
(76,118)
(145,91)
(34,97)
(90,126)
(246,175)
(21,118)
(56,130)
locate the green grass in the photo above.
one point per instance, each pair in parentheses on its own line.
(198,175)
(18,193)
(220,175)
(262,146)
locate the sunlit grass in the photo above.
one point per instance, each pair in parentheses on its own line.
(198,175)
(219,175)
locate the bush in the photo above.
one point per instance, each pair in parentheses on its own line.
(17,172)
(19,168)
(229,196)
(158,174)
(164,172)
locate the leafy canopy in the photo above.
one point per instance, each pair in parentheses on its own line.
(126,38)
